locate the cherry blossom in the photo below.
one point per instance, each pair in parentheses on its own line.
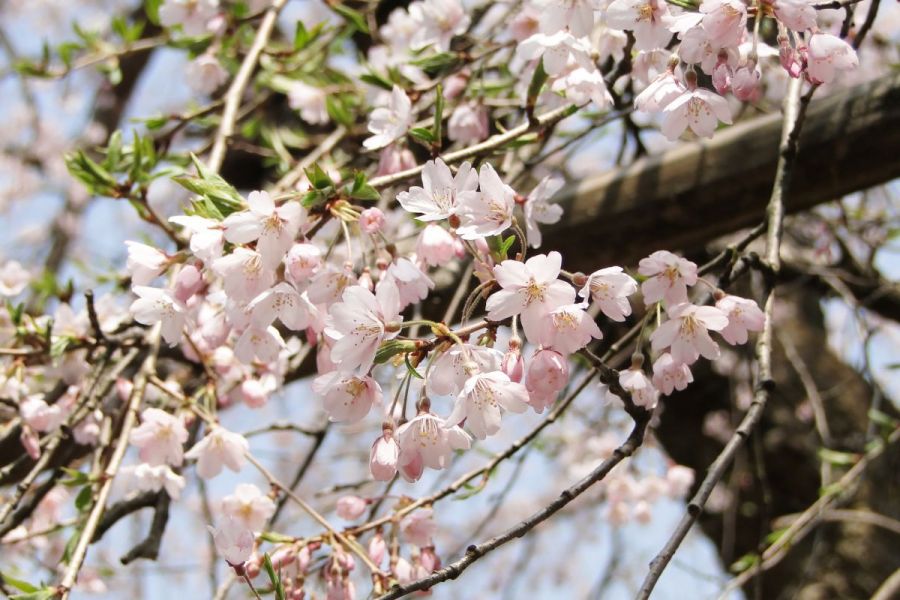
(263,343)
(412,284)
(155,305)
(488,211)
(371,220)
(14,279)
(668,276)
(207,236)
(538,209)
(660,93)
(437,199)
(638,385)
(192,15)
(468,124)
(448,375)
(234,542)
(219,448)
(419,527)
(481,399)
(41,416)
(153,478)
(244,274)
(826,54)
(284,303)
(358,324)
(205,74)
(575,15)
(273,228)
(610,288)
(743,315)
(648,19)
(303,260)
(350,507)
(248,506)
(328,285)
(567,329)
(724,21)
(530,289)
(556,49)
(384,456)
(686,332)
(583,85)
(390,122)
(145,263)
(669,375)
(160,438)
(798,15)
(437,22)
(699,109)
(309,101)
(548,374)
(435,245)
(427,441)
(347,397)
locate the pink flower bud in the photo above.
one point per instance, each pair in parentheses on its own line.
(351,508)
(284,556)
(456,84)
(188,282)
(431,562)
(385,453)
(371,220)
(468,123)
(30,442)
(721,77)
(394,159)
(304,556)
(303,260)
(254,393)
(436,246)
(377,548)
(123,389)
(513,364)
(745,84)
(548,373)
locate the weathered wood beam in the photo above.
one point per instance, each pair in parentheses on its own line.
(698,191)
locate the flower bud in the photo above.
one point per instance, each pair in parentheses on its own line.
(384,457)
(351,508)
(371,220)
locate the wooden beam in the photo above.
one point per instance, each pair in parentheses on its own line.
(687,196)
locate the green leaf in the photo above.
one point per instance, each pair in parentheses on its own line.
(422,134)
(301,36)
(22,586)
(60,345)
(837,458)
(211,187)
(83,499)
(151,7)
(880,418)
(76,477)
(373,78)
(438,114)
(273,577)
(745,562)
(354,17)
(337,110)
(410,368)
(41,594)
(361,190)
(391,348)
(313,198)
(318,178)
(98,180)
(436,62)
(537,83)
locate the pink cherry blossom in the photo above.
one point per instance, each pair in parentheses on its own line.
(575,15)
(347,397)
(309,101)
(660,93)
(207,236)
(284,303)
(219,448)
(328,285)
(244,274)
(530,289)
(193,15)
(447,375)
(826,54)
(724,21)
(468,124)
(351,507)
(303,260)
(371,220)
(435,245)
(160,438)
(699,109)
(481,399)
(582,85)
(743,315)
(149,478)
(155,305)
(686,332)
(248,506)
(41,416)
(393,159)
(412,284)
(254,393)
(418,527)
(679,479)
(437,199)
(745,83)
(556,49)
(377,549)
(488,211)
(14,279)
(669,375)
(273,228)
(427,441)
(205,74)
(548,374)
(358,325)
(234,542)
(636,383)
(610,288)
(387,123)
(568,329)
(145,263)
(538,209)
(384,456)
(437,22)
(188,282)
(262,343)
(798,15)
(668,276)
(648,19)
